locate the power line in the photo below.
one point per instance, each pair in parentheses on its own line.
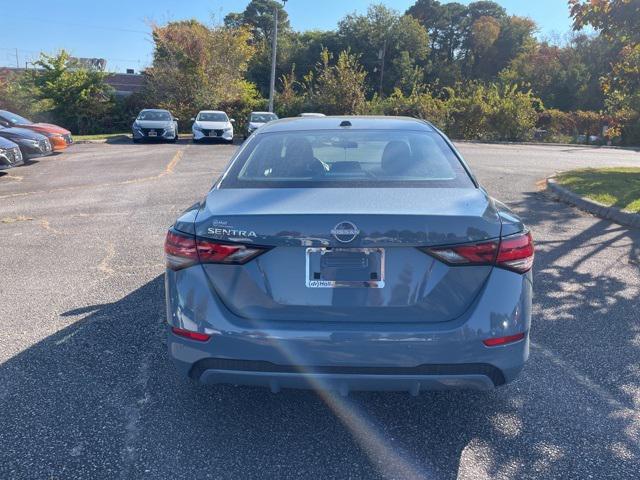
(79,25)
(13,51)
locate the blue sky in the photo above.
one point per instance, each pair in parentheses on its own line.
(118,30)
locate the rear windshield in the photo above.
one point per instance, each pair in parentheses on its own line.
(262,117)
(347,158)
(212,117)
(157,116)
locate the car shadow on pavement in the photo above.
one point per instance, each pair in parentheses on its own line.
(101,396)
(99,399)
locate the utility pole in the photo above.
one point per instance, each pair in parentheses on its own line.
(17,59)
(274,49)
(381,55)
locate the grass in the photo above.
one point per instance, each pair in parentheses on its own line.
(101,136)
(617,187)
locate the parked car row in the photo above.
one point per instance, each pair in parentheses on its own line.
(22,139)
(159,124)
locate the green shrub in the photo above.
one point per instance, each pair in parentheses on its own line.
(468,112)
(416,105)
(557,123)
(588,123)
(490,112)
(630,132)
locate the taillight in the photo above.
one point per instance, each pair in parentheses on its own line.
(469,254)
(514,252)
(182,250)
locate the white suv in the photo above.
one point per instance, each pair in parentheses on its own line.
(212,124)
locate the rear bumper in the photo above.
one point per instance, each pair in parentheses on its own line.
(347,379)
(349,356)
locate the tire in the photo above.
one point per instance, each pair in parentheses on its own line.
(136,140)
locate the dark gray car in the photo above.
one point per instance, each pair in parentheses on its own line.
(10,155)
(32,144)
(155,124)
(349,253)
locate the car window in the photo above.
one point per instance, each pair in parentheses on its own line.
(212,117)
(328,158)
(154,116)
(14,119)
(262,117)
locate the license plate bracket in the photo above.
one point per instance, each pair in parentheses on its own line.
(153,133)
(344,267)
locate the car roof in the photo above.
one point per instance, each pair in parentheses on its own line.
(155,110)
(362,122)
(212,111)
(263,113)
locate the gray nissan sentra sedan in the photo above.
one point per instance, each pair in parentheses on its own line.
(349,253)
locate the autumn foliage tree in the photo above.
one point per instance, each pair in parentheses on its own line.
(188,75)
(619,22)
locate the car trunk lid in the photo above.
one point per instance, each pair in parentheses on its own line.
(379,275)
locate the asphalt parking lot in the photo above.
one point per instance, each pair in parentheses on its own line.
(86,390)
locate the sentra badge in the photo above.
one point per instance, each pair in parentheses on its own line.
(229,231)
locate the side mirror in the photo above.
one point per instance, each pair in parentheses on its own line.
(233,120)
(176,119)
(193,119)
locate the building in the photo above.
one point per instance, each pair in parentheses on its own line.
(126,84)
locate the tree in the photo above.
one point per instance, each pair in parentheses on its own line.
(70,94)
(617,21)
(17,93)
(307,46)
(476,10)
(564,77)
(494,43)
(381,36)
(469,42)
(484,33)
(258,17)
(188,75)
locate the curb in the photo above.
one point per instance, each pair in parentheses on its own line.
(610,213)
(84,142)
(122,138)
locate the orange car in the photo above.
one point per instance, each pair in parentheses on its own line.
(59,137)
